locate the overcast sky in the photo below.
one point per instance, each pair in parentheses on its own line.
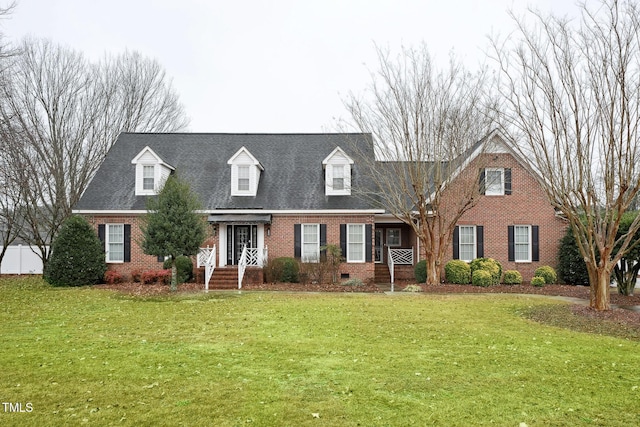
(269,66)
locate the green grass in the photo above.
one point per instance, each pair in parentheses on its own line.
(90,357)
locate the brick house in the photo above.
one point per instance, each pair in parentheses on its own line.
(273,195)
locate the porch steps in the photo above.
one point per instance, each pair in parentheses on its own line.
(382,274)
(224,278)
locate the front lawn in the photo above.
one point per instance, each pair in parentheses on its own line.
(95,357)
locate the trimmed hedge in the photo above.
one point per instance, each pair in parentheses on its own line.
(420,271)
(482,278)
(488,264)
(537,281)
(458,272)
(512,277)
(548,273)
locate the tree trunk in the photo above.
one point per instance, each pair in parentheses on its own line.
(599,278)
(174,275)
(432,270)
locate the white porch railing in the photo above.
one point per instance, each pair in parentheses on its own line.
(254,257)
(400,257)
(207,258)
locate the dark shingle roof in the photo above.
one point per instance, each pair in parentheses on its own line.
(293,177)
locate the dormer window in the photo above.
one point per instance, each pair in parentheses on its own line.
(148,177)
(151,172)
(245,173)
(337,167)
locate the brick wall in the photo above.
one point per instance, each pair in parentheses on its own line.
(527,205)
(281,243)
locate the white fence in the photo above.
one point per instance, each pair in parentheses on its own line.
(20,259)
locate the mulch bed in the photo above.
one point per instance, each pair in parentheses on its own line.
(616,314)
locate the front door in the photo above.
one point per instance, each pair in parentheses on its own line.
(237,237)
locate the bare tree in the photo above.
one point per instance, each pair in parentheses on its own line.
(572,97)
(423,121)
(63,113)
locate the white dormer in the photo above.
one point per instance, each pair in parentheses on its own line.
(151,172)
(337,170)
(245,173)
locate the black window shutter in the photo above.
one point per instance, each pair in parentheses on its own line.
(101,235)
(512,246)
(343,239)
(160,258)
(127,243)
(297,241)
(535,245)
(456,243)
(323,241)
(507,181)
(368,234)
(479,241)
(482,181)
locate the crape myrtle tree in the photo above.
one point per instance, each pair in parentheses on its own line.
(422,120)
(61,113)
(172,225)
(571,91)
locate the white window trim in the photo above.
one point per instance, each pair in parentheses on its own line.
(364,244)
(475,242)
(337,157)
(254,172)
(159,166)
(107,243)
(486,186)
(529,248)
(394,245)
(303,256)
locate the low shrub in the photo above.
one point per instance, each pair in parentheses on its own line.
(283,269)
(490,265)
(512,277)
(112,277)
(458,272)
(412,288)
(136,275)
(184,265)
(420,271)
(537,281)
(155,276)
(482,278)
(548,273)
(353,282)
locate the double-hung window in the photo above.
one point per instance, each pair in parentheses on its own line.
(310,242)
(467,242)
(338,177)
(393,237)
(522,243)
(115,242)
(355,243)
(494,181)
(243,178)
(148,177)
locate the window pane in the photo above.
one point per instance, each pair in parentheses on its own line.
(243,178)
(310,244)
(116,242)
(493,182)
(467,243)
(147,177)
(521,240)
(393,236)
(338,177)
(355,239)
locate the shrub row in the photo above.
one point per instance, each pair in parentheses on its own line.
(487,272)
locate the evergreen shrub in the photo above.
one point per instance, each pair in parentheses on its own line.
(458,272)
(420,271)
(512,277)
(482,278)
(490,265)
(547,273)
(537,281)
(77,255)
(184,265)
